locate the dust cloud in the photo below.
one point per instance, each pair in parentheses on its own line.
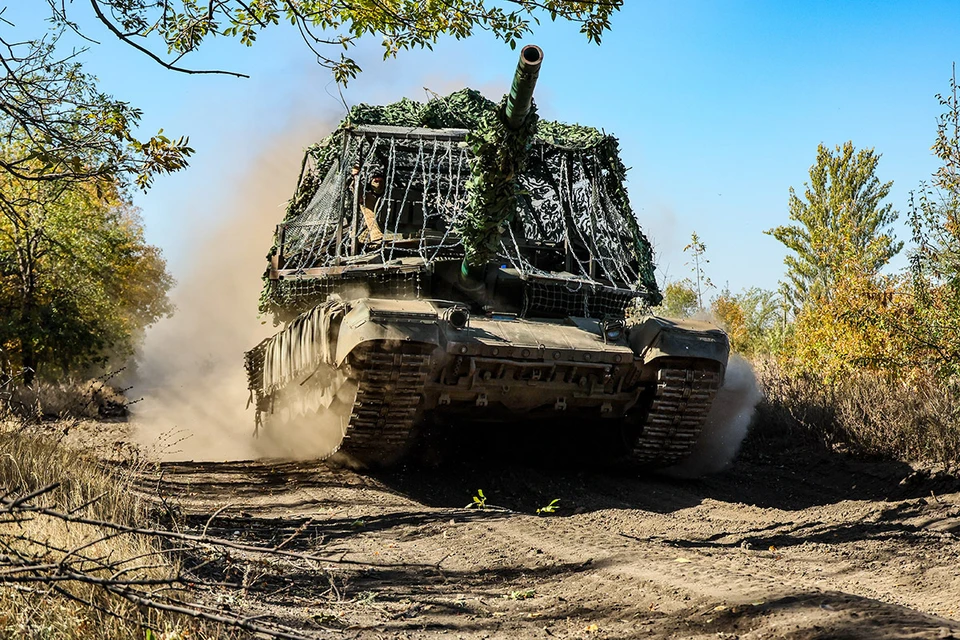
(309,420)
(190,370)
(726,425)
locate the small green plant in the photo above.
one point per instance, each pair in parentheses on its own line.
(366,597)
(520,594)
(327,618)
(479,501)
(550,508)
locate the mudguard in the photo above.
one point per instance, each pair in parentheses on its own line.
(374,319)
(655,337)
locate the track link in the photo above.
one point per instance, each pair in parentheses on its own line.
(390,381)
(677,413)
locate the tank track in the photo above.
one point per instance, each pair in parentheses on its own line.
(390,379)
(676,416)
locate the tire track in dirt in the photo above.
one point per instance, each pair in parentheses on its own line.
(798,546)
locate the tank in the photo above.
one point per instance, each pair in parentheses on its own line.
(461,263)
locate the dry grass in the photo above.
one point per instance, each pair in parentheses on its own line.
(867,414)
(53,400)
(37,610)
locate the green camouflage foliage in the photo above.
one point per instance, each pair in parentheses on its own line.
(463,109)
(499,158)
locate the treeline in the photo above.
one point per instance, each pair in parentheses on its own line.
(78,281)
(850,353)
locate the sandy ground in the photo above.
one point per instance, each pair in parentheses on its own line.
(788,543)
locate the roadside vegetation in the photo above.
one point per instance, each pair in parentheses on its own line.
(70,609)
(847,354)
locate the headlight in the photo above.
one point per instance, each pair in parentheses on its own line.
(612,329)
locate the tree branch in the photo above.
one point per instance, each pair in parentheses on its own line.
(150,54)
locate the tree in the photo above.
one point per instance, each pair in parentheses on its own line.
(66,234)
(730,315)
(57,126)
(933,328)
(843,224)
(908,326)
(684,298)
(766,319)
(851,330)
(698,260)
(181,26)
(753,319)
(679,300)
(78,282)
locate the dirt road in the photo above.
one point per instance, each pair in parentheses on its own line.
(798,544)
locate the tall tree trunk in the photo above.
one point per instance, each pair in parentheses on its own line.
(28,355)
(28,313)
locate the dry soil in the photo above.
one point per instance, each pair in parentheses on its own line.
(790,542)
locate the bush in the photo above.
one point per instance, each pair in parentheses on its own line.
(866,413)
(57,400)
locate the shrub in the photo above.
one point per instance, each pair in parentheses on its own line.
(868,413)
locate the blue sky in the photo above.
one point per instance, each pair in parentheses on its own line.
(719,107)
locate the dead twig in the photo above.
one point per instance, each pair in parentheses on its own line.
(211,518)
(298,531)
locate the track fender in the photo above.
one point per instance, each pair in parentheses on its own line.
(373,319)
(655,337)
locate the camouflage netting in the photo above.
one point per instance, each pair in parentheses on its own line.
(572,196)
(500,156)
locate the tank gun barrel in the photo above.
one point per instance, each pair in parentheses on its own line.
(524,81)
(480,240)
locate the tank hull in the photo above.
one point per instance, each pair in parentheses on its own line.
(652,383)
